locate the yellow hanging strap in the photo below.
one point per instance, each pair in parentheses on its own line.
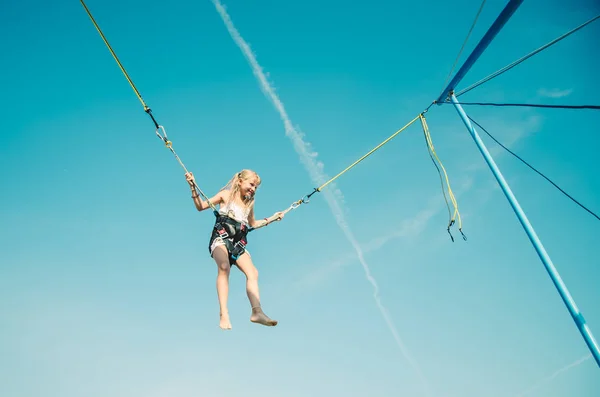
(162,134)
(434,157)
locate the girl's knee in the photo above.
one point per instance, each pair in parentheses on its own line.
(224,268)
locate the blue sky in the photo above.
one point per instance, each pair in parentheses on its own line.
(106,284)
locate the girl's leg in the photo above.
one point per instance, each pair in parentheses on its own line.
(222,259)
(245,264)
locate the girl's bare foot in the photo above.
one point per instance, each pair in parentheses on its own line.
(225,323)
(261,318)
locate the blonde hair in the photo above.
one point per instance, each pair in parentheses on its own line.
(234,185)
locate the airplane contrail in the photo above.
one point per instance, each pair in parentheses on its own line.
(550,378)
(315,169)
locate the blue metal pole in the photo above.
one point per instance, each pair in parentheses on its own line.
(556,279)
(500,21)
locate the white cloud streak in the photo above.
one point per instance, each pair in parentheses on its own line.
(550,378)
(315,170)
(554,93)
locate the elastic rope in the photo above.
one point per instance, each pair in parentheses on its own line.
(538,172)
(306,198)
(115,57)
(368,154)
(518,61)
(162,136)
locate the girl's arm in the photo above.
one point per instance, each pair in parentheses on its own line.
(263,222)
(202,205)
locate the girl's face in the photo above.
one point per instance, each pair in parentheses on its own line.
(248,187)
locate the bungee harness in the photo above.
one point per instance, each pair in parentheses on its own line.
(234,235)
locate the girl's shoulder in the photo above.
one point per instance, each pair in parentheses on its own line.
(222,197)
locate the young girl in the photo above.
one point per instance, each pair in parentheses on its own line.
(236,212)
